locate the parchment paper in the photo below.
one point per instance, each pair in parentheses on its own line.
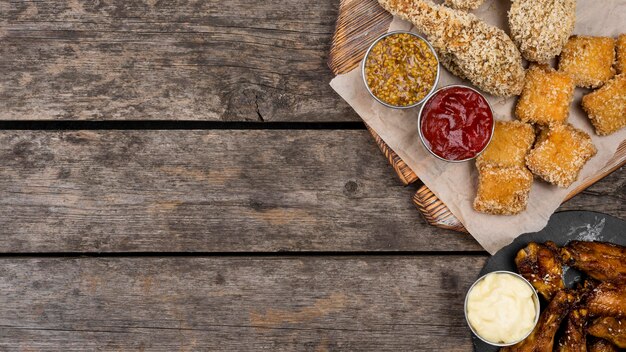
(455,183)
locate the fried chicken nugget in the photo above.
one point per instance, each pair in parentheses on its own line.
(561,154)
(482,53)
(589,60)
(463,4)
(620,64)
(546,96)
(540,28)
(606,106)
(502,190)
(511,142)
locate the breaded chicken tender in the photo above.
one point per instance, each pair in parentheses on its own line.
(473,49)
(606,106)
(502,190)
(561,154)
(620,64)
(589,60)
(546,97)
(463,4)
(540,28)
(511,142)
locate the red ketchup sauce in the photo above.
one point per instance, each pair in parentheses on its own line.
(456,123)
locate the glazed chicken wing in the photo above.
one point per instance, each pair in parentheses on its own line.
(542,337)
(599,345)
(607,299)
(611,329)
(574,338)
(601,261)
(541,266)
(469,47)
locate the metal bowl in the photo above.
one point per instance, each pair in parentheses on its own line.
(367,53)
(535,300)
(419,123)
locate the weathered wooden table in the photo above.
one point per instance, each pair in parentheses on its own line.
(178,175)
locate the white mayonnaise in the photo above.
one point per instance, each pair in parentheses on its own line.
(501,309)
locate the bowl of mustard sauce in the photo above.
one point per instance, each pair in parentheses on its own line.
(400,69)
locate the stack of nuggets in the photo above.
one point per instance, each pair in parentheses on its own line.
(503,180)
(561,150)
(606,106)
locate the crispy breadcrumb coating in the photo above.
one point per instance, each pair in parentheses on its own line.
(546,97)
(502,190)
(606,106)
(479,52)
(620,64)
(561,154)
(540,28)
(511,142)
(463,4)
(589,60)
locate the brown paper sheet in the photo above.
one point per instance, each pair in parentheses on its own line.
(454,183)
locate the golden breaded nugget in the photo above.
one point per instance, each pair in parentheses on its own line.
(546,96)
(620,64)
(589,60)
(502,190)
(463,4)
(510,143)
(606,106)
(561,155)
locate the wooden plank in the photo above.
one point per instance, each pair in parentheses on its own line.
(219,191)
(168,60)
(236,304)
(216,191)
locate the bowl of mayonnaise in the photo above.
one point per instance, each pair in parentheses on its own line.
(502,308)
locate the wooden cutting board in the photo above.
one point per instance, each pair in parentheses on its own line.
(359,23)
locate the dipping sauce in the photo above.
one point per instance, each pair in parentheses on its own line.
(401,69)
(501,308)
(456,123)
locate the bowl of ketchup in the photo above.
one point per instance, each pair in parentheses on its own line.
(456,123)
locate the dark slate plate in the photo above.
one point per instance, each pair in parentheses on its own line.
(562,228)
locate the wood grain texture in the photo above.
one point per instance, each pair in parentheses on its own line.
(405,174)
(216,191)
(168,60)
(359,23)
(236,304)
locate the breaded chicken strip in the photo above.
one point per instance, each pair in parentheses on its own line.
(463,4)
(541,28)
(477,51)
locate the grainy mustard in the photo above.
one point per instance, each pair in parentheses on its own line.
(401,69)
